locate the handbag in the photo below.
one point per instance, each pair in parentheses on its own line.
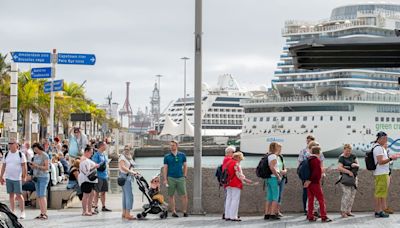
(348,180)
(92,176)
(121,181)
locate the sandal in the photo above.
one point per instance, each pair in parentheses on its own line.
(39,216)
(44,217)
(130,218)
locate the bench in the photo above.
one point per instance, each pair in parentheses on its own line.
(60,196)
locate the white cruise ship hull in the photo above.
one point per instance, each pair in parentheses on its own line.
(332,129)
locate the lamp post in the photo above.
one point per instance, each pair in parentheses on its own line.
(159,101)
(184,95)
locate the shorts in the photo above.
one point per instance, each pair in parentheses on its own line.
(176,184)
(87,187)
(14,186)
(272,193)
(381,185)
(41,186)
(101,185)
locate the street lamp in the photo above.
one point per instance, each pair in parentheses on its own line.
(184,94)
(159,101)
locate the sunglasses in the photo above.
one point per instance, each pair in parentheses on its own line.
(11,143)
(156,181)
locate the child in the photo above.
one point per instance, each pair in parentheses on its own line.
(313,186)
(154,190)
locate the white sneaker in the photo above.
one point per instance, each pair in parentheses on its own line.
(22,215)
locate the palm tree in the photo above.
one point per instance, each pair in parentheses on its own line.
(31,98)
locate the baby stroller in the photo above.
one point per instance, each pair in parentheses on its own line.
(153,207)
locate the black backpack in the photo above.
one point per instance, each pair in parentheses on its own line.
(369,159)
(222,175)
(13,219)
(263,170)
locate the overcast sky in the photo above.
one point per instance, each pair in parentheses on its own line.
(134,40)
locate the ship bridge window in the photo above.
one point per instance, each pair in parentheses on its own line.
(393,119)
(398,119)
(322,118)
(297,118)
(376,119)
(282,118)
(274,119)
(289,118)
(341,118)
(331,118)
(382,119)
(312,118)
(267,119)
(387,119)
(255,119)
(354,118)
(304,118)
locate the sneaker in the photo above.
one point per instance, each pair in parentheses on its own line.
(175,215)
(280,215)
(388,210)
(95,210)
(274,217)
(266,217)
(22,215)
(381,215)
(185,214)
(104,209)
(316,214)
(326,220)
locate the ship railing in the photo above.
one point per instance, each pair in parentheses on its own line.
(360,98)
(378,12)
(297,71)
(306,28)
(338,77)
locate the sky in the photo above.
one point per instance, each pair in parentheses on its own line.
(134,40)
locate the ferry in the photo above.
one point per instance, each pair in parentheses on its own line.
(336,106)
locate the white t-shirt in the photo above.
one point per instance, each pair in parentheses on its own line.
(270,159)
(380,169)
(128,163)
(84,169)
(13,165)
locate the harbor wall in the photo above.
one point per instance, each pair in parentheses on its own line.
(253,197)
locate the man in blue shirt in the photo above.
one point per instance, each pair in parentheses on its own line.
(175,172)
(102,176)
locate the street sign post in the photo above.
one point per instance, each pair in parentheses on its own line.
(57,86)
(31,57)
(44,72)
(77,59)
(50,72)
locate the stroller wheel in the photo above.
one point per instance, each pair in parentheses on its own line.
(139,216)
(162,216)
(165,214)
(144,215)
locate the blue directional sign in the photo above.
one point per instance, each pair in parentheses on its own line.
(44,72)
(31,57)
(79,59)
(57,86)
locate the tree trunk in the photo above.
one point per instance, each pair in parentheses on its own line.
(28,124)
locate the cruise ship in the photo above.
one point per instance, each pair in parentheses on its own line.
(222,114)
(336,106)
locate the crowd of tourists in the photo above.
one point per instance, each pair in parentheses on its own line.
(311,172)
(83,165)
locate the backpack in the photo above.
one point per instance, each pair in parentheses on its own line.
(369,159)
(11,218)
(222,175)
(263,170)
(304,171)
(19,153)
